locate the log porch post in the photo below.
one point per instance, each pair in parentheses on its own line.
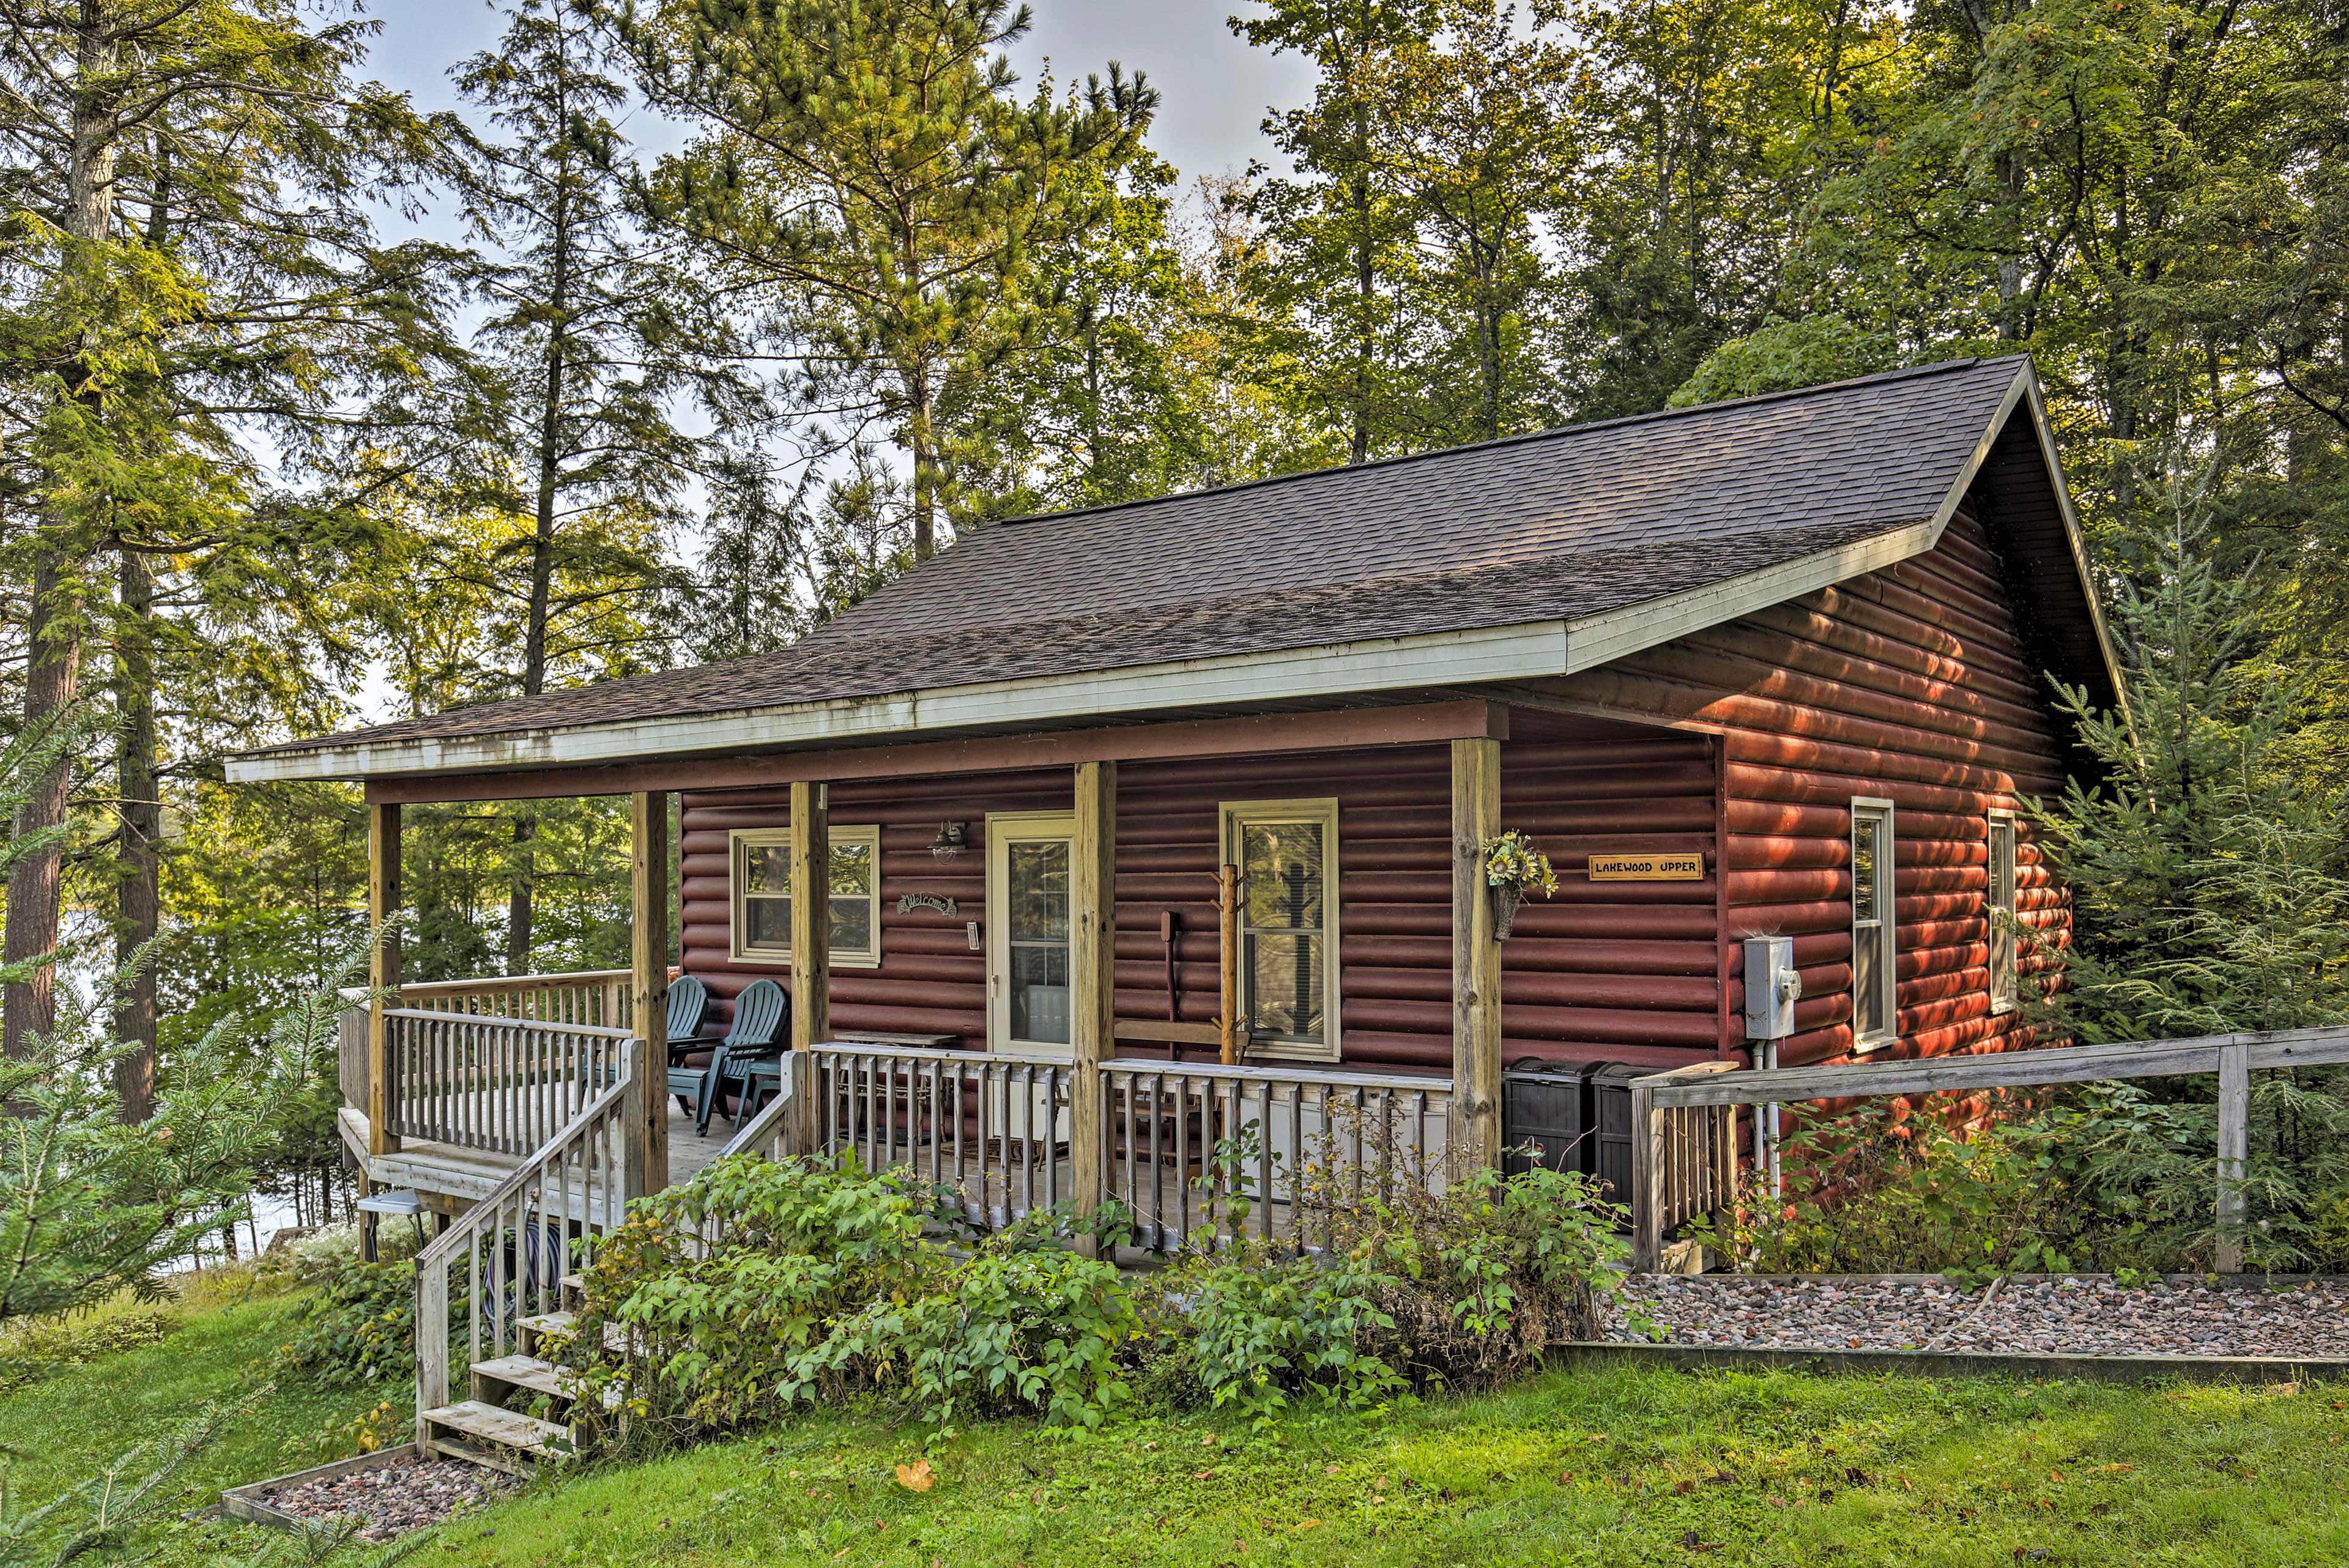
(811,856)
(811,915)
(383,970)
(1093,979)
(1475,1131)
(648,988)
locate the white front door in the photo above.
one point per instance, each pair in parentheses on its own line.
(1028,866)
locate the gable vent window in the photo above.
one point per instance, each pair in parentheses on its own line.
(2004,987)
(1872,925)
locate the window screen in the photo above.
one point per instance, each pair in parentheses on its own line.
(1872,924)
(2004,987)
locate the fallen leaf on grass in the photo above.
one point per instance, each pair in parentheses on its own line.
(918,1476)
(1305,1525)
(1683,1485)
(1566,1478)
(1203,1475)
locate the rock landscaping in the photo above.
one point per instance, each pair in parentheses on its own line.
(402,1494)
(2033,1316)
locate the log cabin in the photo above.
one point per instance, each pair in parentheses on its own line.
(1102,836)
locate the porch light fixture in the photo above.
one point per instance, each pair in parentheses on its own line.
(953,838)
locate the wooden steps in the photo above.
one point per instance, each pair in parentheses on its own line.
(527,1373)
(484,1434)
(557,1325)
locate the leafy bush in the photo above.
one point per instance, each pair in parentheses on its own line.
(736,1277)
(758,1285)
(1009,1330)
(358,1326)
(2108,1177)
(1263,1329)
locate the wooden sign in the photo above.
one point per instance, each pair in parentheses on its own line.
(1647,867)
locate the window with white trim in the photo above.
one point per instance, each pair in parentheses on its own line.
(2005,987)
(1287,852)
(762,886)
(1872,924)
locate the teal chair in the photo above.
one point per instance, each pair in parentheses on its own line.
(760,1014)
(689,1004)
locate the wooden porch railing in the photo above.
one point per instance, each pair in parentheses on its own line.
(489,1081)
(506,1257)
(1664,1161)
(1266,1150)
(1257,1149)
(598,997)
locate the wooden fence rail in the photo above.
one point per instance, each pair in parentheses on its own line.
(2233,1057)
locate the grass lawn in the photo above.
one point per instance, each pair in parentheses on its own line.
(1613,1466)
(67,1424)
(1602,1466)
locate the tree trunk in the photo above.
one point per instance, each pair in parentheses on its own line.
(138,915)
(34,885)
(53,640)
(922,442)
(520,896)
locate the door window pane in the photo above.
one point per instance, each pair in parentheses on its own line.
(1039,993)
(1040,889)
(1036,904)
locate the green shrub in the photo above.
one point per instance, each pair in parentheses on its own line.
(758,1285)
(1009,1330)
(37,1347)
(358,1326)
(1254,1332)
(734,1278)
(2114,1177)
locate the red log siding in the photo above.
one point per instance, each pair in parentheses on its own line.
(1910,685)
(1622,972)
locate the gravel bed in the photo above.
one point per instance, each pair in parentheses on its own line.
(392,1499)
(2074,1317)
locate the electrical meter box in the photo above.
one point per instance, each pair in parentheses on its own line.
(1772,987)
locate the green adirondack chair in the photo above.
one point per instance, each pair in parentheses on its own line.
(759,1018)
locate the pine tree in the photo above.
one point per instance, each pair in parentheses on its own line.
(870,166)
(595,337)
(191,262)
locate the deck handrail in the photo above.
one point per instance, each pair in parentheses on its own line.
(582,1177)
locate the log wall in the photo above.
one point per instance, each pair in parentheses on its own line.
(1618,972)
(1910,684)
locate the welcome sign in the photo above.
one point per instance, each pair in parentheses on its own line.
(1647,867)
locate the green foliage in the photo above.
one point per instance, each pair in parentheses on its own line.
(2206,868)
(734,1322)
(359,1325)
(1009,1330)
(1262,1328)
(1785,354)
(2108,1177)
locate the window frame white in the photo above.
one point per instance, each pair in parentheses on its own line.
(2006,948)
(1883,930)
(1003,829)
(1232,817)
(740,839)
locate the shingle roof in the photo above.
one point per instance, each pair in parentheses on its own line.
(1552,526)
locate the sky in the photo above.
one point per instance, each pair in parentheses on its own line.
(1216,88)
